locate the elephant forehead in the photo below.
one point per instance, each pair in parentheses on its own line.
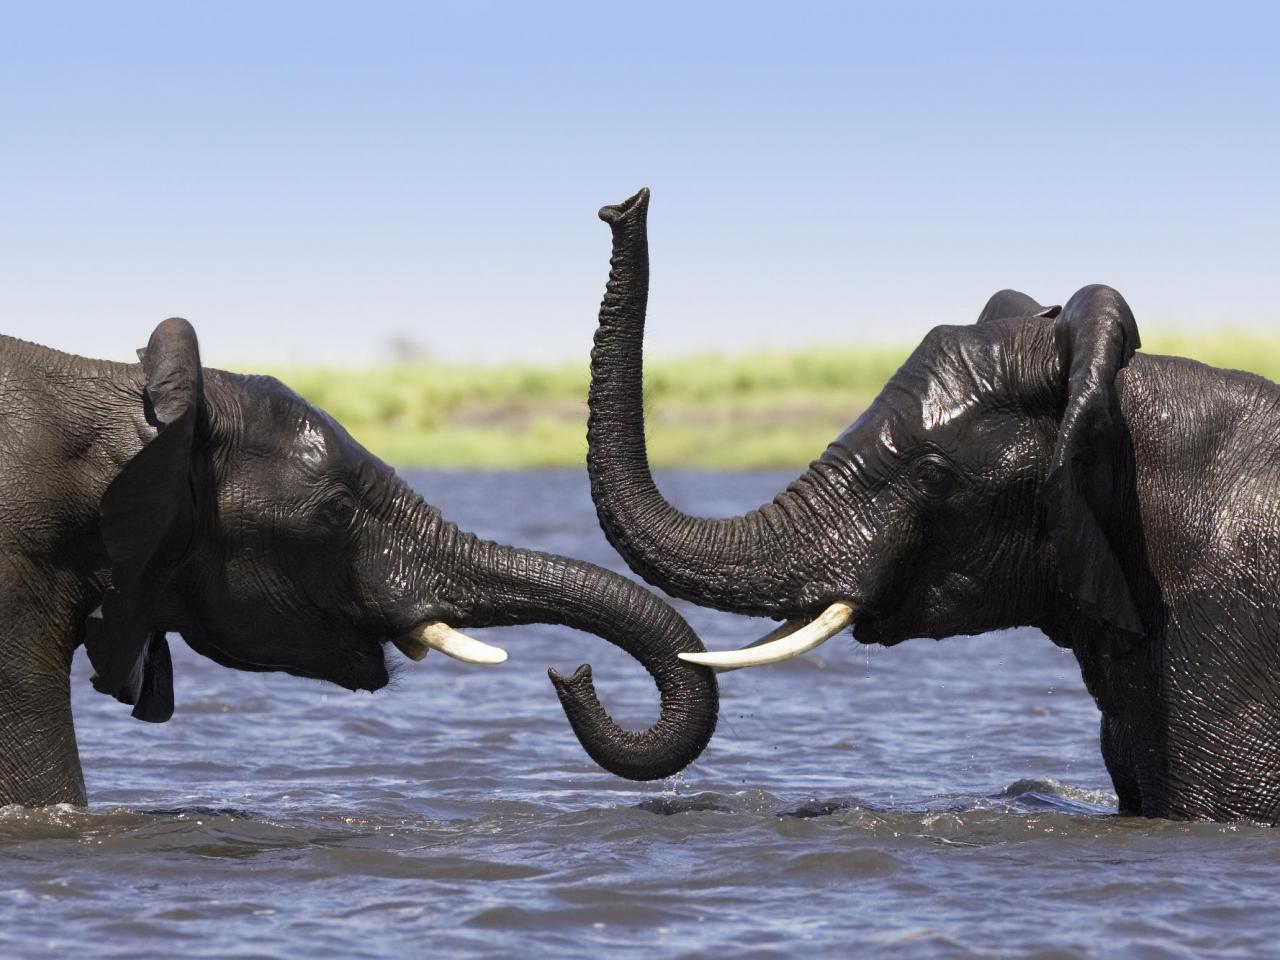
(311,444)
(286,425)
(275,425)
(932,402)
(952,373)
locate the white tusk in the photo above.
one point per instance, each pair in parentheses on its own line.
(784,629)
(417,642)
(783,643)
(412,647)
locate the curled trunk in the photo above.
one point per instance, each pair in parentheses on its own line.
(744,564)
(522,586)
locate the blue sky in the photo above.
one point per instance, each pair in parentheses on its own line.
(305,181)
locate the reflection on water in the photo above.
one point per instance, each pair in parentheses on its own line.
(929,800)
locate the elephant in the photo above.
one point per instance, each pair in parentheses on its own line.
(1031,469)
(140,499)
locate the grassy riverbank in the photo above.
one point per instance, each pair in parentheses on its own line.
(751,410)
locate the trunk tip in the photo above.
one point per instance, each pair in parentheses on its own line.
(581,678)
(617,212)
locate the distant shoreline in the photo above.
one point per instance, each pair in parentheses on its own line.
(748,411)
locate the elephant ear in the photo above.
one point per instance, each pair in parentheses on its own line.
(1095,337)
(148,522)
(1010,303)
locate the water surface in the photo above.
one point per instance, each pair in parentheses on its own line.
(934,799)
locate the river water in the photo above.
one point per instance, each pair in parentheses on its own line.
(935,799)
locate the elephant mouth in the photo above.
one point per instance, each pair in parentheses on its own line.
(875,628)
(370,673)
(362,667)
(362,663)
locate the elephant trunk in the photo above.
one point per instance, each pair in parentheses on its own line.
(745,564)
(517,586)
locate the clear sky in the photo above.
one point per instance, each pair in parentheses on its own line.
(305,181)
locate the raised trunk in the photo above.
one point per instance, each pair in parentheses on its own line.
(745,564)
(513,586)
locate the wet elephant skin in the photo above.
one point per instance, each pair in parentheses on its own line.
(157,497)
(1031,469)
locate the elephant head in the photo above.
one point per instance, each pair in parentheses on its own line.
(971,495)
(254,525)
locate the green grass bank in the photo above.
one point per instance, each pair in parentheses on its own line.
(754,410)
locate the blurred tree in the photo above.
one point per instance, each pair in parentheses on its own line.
(405,348)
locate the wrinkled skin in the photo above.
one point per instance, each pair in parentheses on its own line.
(1030,469)
(138,499)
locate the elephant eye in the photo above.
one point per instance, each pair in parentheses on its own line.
(933,475)
(337,511)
